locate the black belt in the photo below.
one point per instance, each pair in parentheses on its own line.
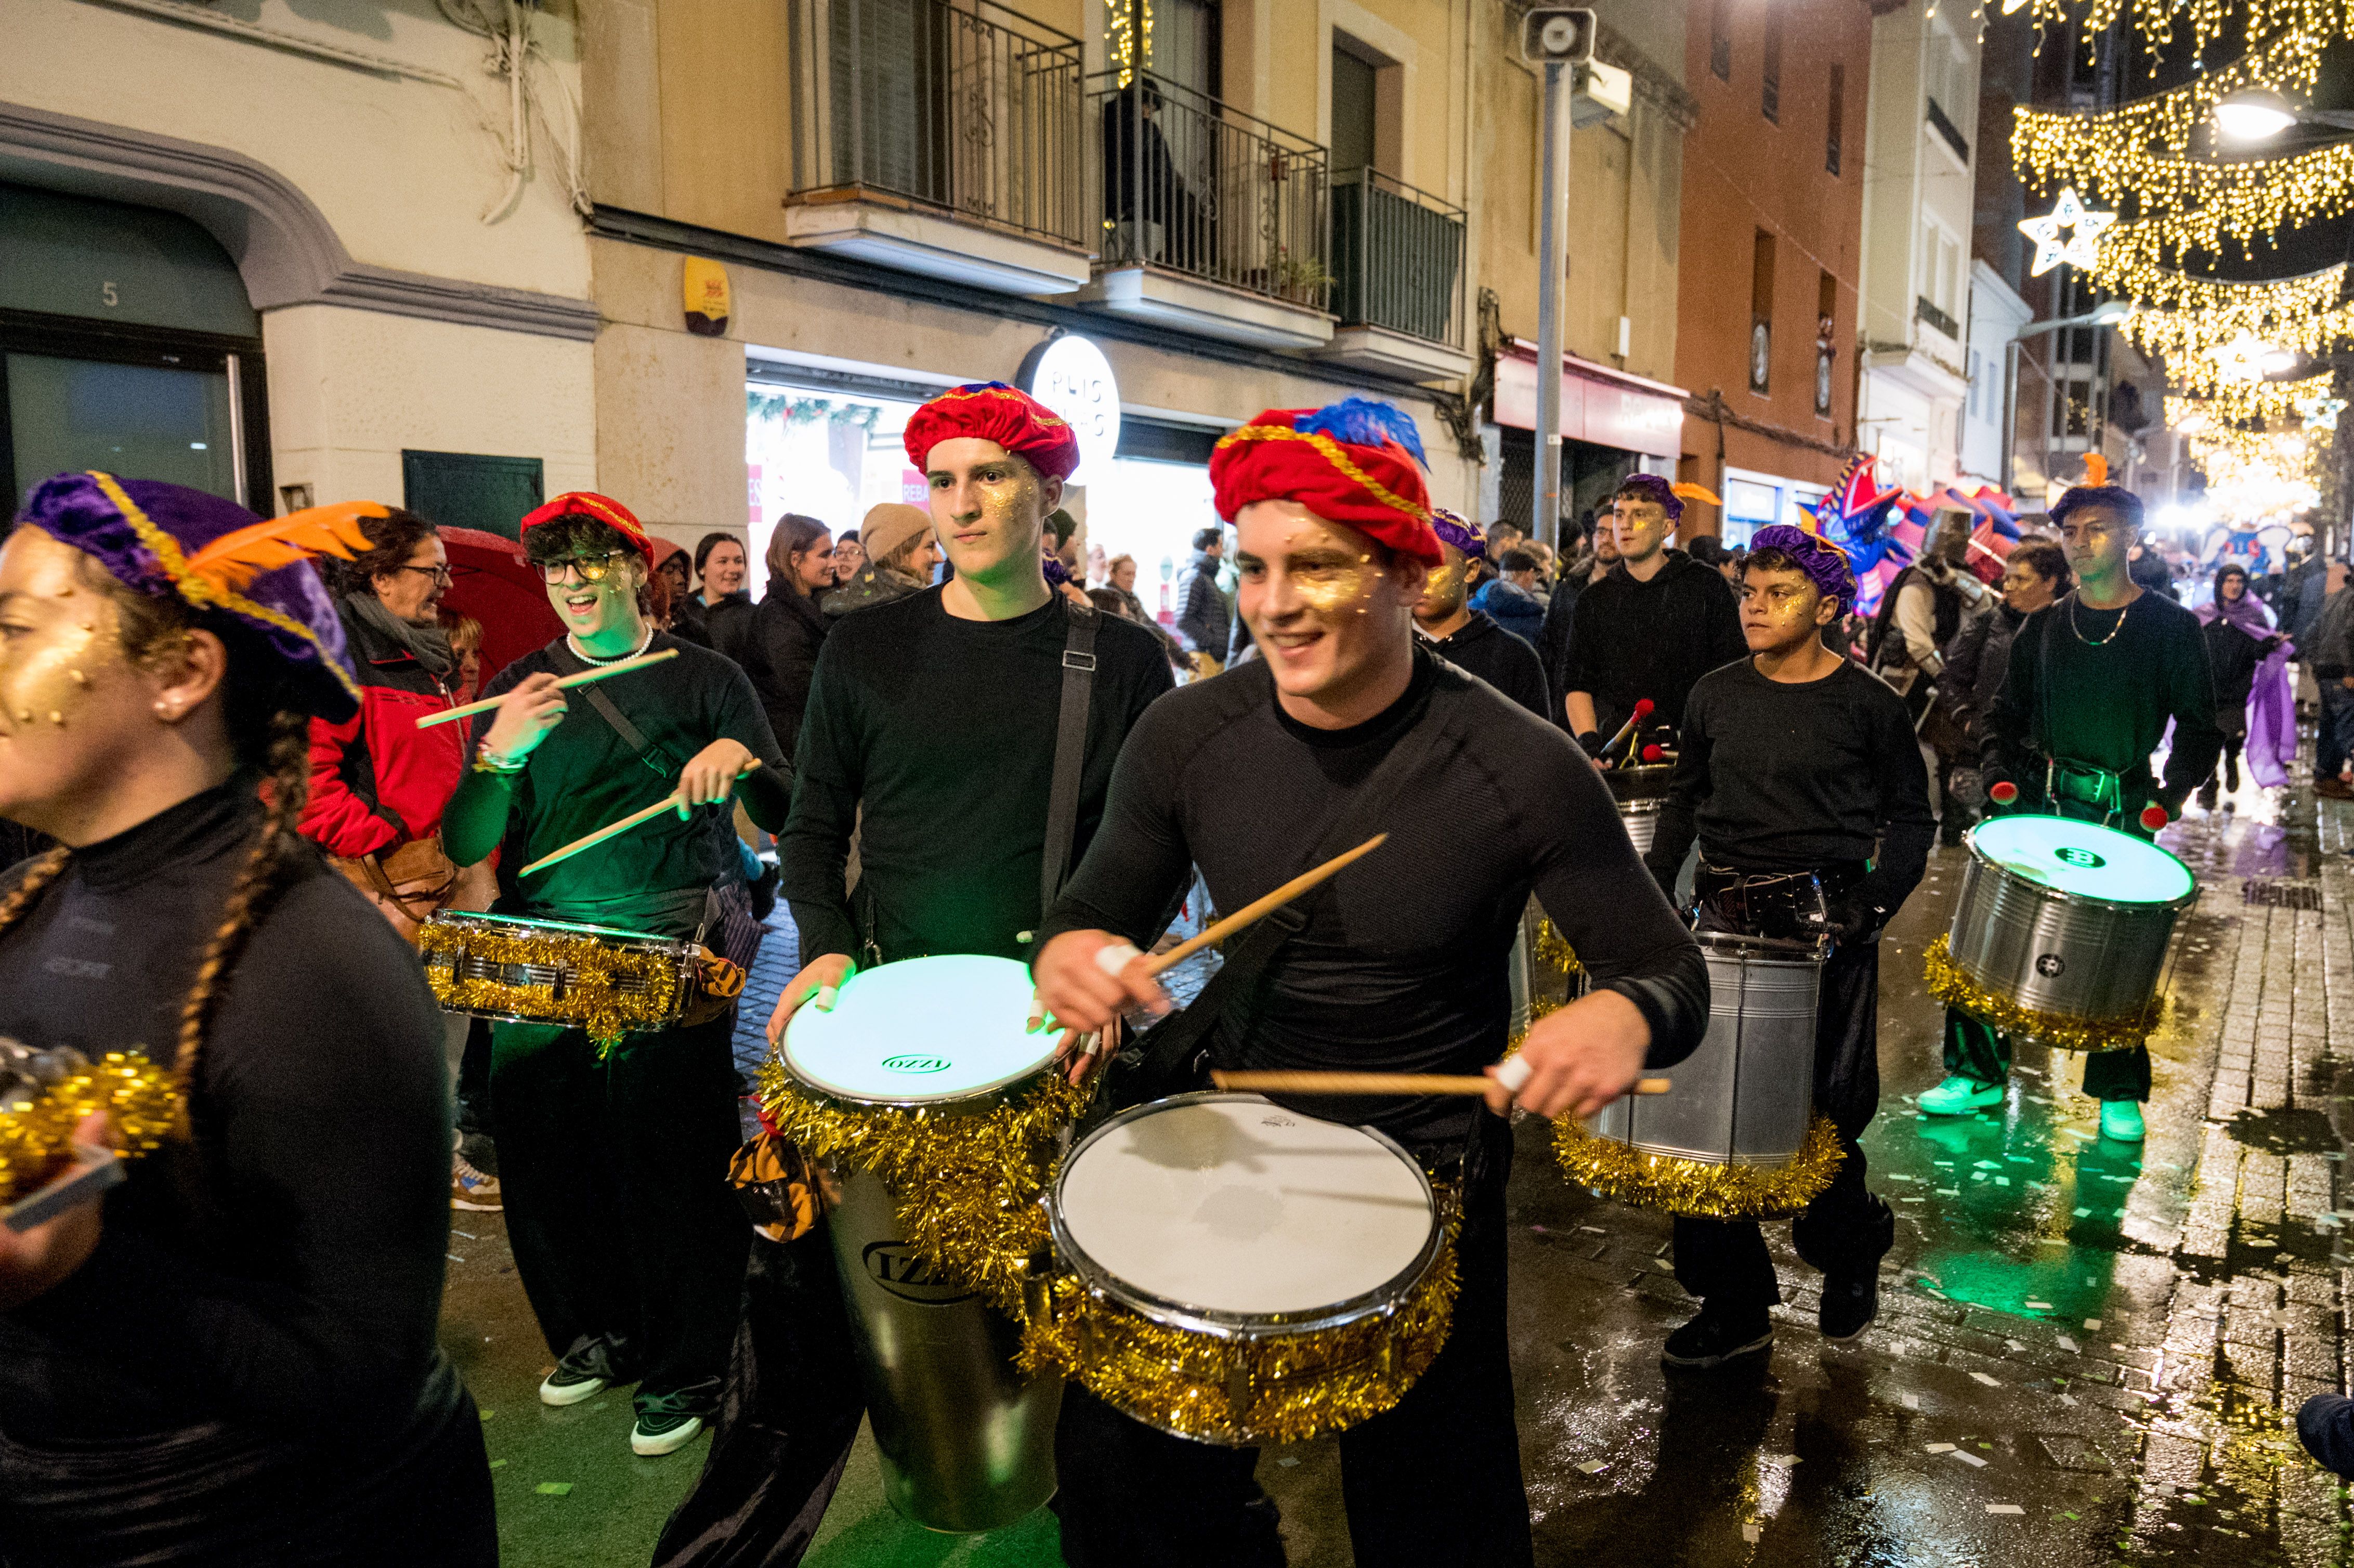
(1792,905)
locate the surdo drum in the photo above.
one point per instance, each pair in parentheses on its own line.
(1238,1273)
(2061,931)
(966,1439)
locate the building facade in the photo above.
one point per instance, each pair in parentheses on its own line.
(1773,198)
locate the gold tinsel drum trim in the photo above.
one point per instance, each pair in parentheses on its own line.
(1241,1390)
(967,1187)
(1698,1188)
(1552,949)
(142,1098)
(2064,1031)
(609,987)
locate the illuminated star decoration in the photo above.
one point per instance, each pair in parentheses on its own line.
(2242,359)
(2083,246)
(2321,413)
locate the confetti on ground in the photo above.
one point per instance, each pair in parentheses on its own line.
(1287,1461)
(1972,1460)
(2084,1214)
(2065,1342)
(468,1234)
(554,1489)
(453,1256)
(486,1415)
(2069,1400)
(1936,1448)
(1591,1466)
(1910,1401)
(1597,1230)
(2041,1306)
(1982,1377)
(2092,1325)
(2004,1508)
(1750,1531)
(496,1463)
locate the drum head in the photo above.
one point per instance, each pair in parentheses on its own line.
(2082,860)
(1227,1205)
(921,1030)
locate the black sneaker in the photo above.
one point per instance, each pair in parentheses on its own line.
(1710,1340)
(585,1372)
(1849,1306)
(669,1422)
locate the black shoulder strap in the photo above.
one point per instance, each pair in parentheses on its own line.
(1164,1049)
(1070,748)
(655,759)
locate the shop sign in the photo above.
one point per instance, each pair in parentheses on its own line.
(1070,376)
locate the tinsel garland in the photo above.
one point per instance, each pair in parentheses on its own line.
(2061,1030)
(967,1187)
(1697,1189)
(1551,950)
(608,989)
(142,1098)
(1293,1386)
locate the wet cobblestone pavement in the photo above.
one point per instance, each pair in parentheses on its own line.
(2088,1353)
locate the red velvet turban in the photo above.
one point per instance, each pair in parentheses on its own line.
(992,411)
(1356,461)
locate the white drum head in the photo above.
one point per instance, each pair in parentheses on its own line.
(1235,1205)
(921,1030)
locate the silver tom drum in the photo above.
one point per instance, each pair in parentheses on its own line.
(1746,1096)
(2061,931)
(967,1440)
(1639,791)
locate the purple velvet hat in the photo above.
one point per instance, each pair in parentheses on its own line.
(143,532)
(1820,559)
(1651,487)
(1459,532)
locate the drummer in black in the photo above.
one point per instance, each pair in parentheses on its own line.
(1801,778)
(2094,681)
(614,1162)
(1342,727)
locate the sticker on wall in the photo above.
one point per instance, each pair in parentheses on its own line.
(705,289)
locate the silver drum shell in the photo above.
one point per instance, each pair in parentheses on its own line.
(1747,1094)
(2056,952)
(1641,818)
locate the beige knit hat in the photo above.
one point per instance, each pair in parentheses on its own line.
(889,525)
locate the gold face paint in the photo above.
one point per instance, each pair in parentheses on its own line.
(48,650)
(1444,596)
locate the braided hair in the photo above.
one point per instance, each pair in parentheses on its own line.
(265,730)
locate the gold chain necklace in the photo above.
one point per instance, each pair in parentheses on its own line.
(2123,611)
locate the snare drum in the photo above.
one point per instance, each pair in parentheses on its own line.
(606,981)
(1240,1273)
(2061,932)
(1737,1135)
(933,1113)
(1639,791)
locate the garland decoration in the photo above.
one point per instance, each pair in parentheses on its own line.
(2298,29)
(1280,1388)
(1698,1188)
(967,1188)
(593,984)
(142,1100)
(2060,1031)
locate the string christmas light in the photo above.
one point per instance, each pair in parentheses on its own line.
(2163,21)
(2263,402)
(2184,205)
(2165,121)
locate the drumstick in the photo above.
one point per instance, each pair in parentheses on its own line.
(1259,908)
(1383,1083)
(669,803)
(586,677)
(1642,711)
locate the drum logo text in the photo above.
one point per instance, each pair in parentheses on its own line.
(2081,857)
(915,1064)
(894,1266)
(2049,964)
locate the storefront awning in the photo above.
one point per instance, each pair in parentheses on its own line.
(1599,405)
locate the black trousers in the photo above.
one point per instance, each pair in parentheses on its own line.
(1847,1229)
(615,1181)
(1434,1483)
(1980,1053)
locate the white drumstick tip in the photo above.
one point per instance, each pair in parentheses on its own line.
(1515,1074)
(826,997)
(1115,958)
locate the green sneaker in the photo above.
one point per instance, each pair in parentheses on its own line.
(1958,1095)
(2121,1119)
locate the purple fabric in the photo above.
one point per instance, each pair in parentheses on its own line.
(1823,561)
(2272,704)
(75,509)
(1651,487)
(1459,532)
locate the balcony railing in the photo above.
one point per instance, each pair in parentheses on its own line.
(1197,186)
(1397,258)
(966,108)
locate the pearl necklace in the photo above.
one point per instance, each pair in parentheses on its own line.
(587,658)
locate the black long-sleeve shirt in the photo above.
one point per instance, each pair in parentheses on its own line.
(1402,964)
(1779,776)
(1633,640)
(2084,688)
(584,774)
(934,738)
(1484,649)
(290,1287)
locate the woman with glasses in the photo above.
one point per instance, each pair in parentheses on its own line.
(377,782)
(612,1165)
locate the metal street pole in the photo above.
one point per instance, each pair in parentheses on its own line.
(1552,220)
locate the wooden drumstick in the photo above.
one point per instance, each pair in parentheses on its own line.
(1384,1082)
(586,677)
(669,803)
(1258,908)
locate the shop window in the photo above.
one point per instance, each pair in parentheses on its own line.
(1761,313)
(467,490)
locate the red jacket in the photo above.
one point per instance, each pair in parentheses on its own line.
(379,782)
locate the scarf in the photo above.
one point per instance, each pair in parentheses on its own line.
(430,645)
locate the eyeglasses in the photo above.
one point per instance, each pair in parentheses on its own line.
(440,575)
(592,568)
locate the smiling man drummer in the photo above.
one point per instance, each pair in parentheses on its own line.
(614,1164)
(1341,728)
(1795,767)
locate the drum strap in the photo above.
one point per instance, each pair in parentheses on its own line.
(1070,748)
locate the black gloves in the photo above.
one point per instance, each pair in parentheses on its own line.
(1592,742)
